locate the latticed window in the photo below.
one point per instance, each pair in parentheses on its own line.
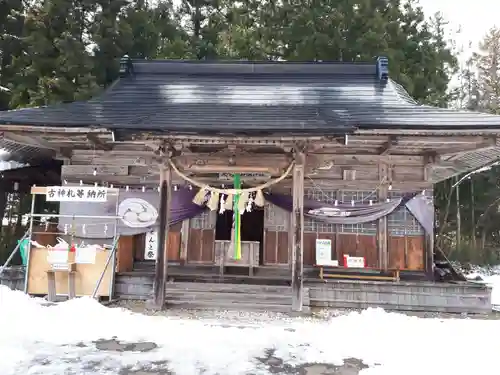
(359,197)
(275,218)
(401,222)
(203,221)
(317,226)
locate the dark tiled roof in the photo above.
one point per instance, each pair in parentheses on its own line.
(245,97)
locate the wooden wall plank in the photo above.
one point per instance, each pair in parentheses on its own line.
(270,246)
(415,252)
(174,246)
(125,254)
(208,246)
(396,248)
(282,248)
(194,245)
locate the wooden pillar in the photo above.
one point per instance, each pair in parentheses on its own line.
(429,251)
(184,241)
(160,279)
(382,235)
(429,160)
(297,225)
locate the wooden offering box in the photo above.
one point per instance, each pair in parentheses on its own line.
(86,275)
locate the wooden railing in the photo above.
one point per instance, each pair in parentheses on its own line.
(224,255)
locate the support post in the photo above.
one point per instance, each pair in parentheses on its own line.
(160,279)
(429,250)
(382,238)
(297,225)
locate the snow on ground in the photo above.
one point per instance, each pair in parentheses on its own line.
(41,339)
(490,277)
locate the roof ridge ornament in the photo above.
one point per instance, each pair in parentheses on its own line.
(383,68)
(126,66)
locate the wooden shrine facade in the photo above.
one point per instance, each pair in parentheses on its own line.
(354,167)
(357,167)
(349,132)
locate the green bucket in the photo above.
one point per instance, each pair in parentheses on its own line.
(23,249)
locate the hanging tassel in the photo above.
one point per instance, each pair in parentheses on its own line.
(242,203)
(259,199)
(228,204)
(222,204)
(199,198)
(213,202)
(249,204)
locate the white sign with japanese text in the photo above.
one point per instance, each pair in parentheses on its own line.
(151,245)
(76,194)
(354,262)
(324,252)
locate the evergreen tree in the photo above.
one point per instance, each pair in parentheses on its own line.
(487,61)
(54,64)
(148,31)
(108,45)
(11,23)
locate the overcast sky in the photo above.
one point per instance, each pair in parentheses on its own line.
(474,17)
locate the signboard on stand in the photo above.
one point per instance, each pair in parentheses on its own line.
(324,253)
(151,245)
(76,194)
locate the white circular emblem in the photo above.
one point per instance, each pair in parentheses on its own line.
(137,213)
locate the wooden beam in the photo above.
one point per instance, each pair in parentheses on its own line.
(152,181)
(298,233)
(94,170)
(350,159)
(24,129)
(161,269)
(433,132)
(98,143)
(359,184)
(388,146)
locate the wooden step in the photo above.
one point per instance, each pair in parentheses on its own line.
(285,299)
(217,295)
(209,305)
(222,287)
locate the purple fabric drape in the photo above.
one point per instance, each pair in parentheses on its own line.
(361,212)
(183,207)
